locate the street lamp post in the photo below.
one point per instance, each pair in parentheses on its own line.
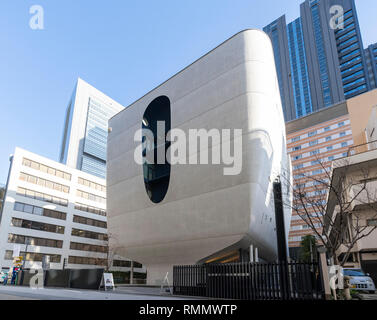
(27,242)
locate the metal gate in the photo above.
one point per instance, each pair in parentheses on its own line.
(250,281)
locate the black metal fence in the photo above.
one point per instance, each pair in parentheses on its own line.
(250,281)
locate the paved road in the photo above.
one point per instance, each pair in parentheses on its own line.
(27,293)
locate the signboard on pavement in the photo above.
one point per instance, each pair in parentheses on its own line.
(107,281)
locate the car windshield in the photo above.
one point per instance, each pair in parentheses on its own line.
(353,272)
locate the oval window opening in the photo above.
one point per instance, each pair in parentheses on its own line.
(156,124)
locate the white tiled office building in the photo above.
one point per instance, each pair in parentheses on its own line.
(52,209)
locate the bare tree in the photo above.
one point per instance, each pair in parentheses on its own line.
(339,222)
(110,249)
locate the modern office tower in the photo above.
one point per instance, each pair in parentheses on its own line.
(202,210)
(335,52)
(326,56)
(277,31)
(299,69)
(313,142)
(53,210)
(85,130)
(371,61)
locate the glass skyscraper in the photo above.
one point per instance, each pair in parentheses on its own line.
(299,70)
(86,128)
(326,66)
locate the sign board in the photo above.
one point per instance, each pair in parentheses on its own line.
(107,281)
(16,250)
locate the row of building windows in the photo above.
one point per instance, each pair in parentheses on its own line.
(89,234)
(43,182)
(89,222)
(92,185)
(23,207)
(87,260)
(40,226)
(315,132)
(86,208)
(91,197)
(41,196)
(41,167)
(316,142)
(88,247)
(33,256)
(41,242)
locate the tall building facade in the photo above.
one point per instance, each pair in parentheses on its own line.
(53,210)
(277,31)
(371,61)
(85,130)
(327,61)
(313,142)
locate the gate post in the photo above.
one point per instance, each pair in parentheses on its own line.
(324,272)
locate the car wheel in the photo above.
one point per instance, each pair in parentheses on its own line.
(371,292)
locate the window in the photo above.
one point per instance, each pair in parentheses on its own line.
(327,129)
(33,256)
(88,247)
(313,143)
(300,166)
(122,263)
(87,260)
(344,144)
(341,124)
(22,207)
(313,133)
(297,148)
(342,134)
(41,196)
(329,148)
(86,208)
(297,157)
(28,224)
(90,222)
(328,139)
(92,185)
(156,176)
(41,242)
(44,183)
(91,197)
(314,152)
(41,167)
(331,158)
(89,234)
(372,223)
(295,139)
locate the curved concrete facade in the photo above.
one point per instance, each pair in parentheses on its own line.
(204,212)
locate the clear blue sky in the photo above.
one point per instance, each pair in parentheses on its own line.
(122,47)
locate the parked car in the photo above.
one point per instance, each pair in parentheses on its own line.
(2,276)
(359,280)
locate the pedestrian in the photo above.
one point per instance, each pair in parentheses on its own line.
(14,276)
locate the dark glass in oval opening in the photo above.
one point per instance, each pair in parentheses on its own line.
(156,174)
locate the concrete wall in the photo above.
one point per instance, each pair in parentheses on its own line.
(232,87)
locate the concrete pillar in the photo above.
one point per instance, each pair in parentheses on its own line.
(256,255)
(132,273)
(325,274)
(251,250)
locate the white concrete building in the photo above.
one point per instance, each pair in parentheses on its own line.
(85,130)
(167,215)
(54,210)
